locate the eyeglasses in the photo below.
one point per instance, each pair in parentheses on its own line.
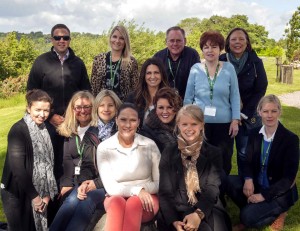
(173,41)
(65,38)
(85,108)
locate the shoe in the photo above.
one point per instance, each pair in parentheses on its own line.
(278,224)
(238,227)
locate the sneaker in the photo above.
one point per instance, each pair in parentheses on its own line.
(278,224)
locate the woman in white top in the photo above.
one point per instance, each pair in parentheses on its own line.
(128,166)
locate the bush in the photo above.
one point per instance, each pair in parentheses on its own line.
(13,86)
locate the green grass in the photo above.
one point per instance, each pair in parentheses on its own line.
(13,109)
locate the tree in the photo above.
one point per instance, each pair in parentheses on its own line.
(292,34)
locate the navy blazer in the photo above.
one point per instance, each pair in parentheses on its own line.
(173,200)
(282,165)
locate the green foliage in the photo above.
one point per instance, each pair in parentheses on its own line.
(12,86)
(293,34)
(16,56)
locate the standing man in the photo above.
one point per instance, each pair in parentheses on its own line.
(178,58)
(60,73)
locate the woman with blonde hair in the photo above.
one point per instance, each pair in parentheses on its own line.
(268,188)
(117,69)
(81,184)
(190,177)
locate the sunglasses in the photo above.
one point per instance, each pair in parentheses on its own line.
(65,38)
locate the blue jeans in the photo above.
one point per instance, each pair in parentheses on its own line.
(253,215)
(241,141)
(76,214)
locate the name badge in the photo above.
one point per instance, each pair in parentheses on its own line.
(77,170)
(210,111)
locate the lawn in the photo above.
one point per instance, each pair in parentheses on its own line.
(13,109)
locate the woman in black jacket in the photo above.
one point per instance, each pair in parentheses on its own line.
(268,188)
(84,130)
(160,123)
(28,181)
(252,81)
(190,178)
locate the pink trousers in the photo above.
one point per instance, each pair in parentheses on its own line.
(127,214)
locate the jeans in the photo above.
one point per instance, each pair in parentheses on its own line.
(241,141)
(76,214)
(252,215)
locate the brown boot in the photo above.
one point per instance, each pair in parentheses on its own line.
(279,222)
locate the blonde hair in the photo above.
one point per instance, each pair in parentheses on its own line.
(70,124)
(269,99)
(101,96)
(127,50)
(192,111)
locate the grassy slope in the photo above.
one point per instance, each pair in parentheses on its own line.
(13,109)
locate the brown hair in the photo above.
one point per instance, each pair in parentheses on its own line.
(37,95)
(215,37)
(169,94)
(59,26)
(227,48)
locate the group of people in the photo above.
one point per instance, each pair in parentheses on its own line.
(154,147)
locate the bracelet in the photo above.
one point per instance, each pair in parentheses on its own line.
(200,214)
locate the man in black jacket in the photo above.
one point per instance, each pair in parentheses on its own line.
(178,58)
(60,73)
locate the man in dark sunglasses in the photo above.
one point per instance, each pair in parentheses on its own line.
(60,73)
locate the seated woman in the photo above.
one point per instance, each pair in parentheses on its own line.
(268,189)
(152,78)
(160,123)
(190,178)
(82,138)
(28,181)
(128,166)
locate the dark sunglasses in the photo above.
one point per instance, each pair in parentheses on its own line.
(65,38)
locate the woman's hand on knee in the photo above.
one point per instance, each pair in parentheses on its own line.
(178,225)
(147,201)
(192,222)
(248,188)
(81,191)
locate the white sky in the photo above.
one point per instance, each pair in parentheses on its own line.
(95,16)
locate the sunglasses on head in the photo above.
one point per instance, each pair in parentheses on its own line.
(65,38)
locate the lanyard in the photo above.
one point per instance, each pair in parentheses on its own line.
(79,151)
(113,75)
(174,76)
(212,82)
(264,155)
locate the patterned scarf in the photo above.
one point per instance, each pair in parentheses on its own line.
(105,129)
(190,170)
(43,161)
(238,63)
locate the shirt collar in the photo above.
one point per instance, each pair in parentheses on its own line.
(263,132)
(62,59)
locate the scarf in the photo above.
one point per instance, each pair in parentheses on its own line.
(105,129)
(238,63)
(190,170)
(43,161)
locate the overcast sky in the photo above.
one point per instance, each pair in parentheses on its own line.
(95,16)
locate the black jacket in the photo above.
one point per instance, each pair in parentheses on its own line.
(282,165)
(18,170)
(253,82)
(88,170)
(162,134)
(60,81)
(188,58)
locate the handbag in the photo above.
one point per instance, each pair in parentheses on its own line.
(252,124)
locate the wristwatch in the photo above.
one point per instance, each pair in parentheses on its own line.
(200,213)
